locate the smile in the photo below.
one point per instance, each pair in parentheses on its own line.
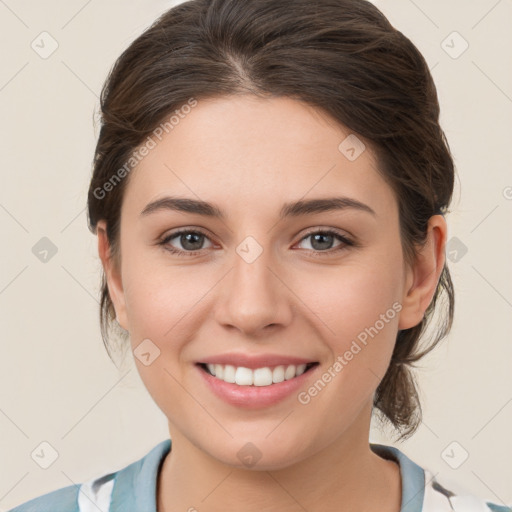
(264,376)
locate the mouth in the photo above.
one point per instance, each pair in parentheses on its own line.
(256,377)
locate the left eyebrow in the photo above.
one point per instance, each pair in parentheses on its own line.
(323,205)
(294,209)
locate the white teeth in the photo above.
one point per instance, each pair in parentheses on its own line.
(219,371)
(262,377)
(229,374)
(278,374)
(258,377)
(301,369)
(244,376)
(289,373)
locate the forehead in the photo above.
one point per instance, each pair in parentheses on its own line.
(247,150)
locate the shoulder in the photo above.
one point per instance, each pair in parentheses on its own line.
(61,500)
(89,496)
(441,495)
(116,491)
(498,508)
(422,491)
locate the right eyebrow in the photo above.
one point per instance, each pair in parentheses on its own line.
(183,204)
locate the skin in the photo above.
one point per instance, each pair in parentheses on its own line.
(249,156)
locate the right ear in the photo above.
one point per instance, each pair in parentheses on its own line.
(113,275)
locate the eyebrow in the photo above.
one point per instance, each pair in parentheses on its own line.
(294,209)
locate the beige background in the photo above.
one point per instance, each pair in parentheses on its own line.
(57,383)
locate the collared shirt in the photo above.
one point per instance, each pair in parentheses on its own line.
(133,489)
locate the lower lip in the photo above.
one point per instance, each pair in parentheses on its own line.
(254,397)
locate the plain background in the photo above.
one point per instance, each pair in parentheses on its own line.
(57,382)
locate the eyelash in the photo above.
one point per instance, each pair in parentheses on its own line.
(346,242)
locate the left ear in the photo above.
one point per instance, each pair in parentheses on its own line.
(422,278)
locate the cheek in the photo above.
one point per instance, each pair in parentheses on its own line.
(358,314)
(354,296)
(160,298)
(357,310)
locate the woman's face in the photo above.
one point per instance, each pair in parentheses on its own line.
(261,284)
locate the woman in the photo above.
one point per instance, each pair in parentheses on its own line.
(269,191)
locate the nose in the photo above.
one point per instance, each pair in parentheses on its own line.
(254,297)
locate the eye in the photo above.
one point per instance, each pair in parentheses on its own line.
(191,241)
(322,240)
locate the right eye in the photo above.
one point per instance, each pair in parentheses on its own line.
(190,240)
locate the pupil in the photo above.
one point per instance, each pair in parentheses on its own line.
(319,236)
(185,239)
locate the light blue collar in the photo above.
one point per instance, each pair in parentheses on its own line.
(135,485)
(413,477)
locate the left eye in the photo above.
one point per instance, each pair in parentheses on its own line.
(192,241)
(323,240)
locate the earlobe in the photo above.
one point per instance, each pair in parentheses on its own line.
(112,274)
(422,278)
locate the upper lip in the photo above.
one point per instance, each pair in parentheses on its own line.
(255,361)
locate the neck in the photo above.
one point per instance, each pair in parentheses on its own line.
(345,476)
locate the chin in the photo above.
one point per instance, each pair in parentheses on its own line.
(258,453)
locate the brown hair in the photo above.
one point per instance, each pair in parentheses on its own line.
(341,56)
